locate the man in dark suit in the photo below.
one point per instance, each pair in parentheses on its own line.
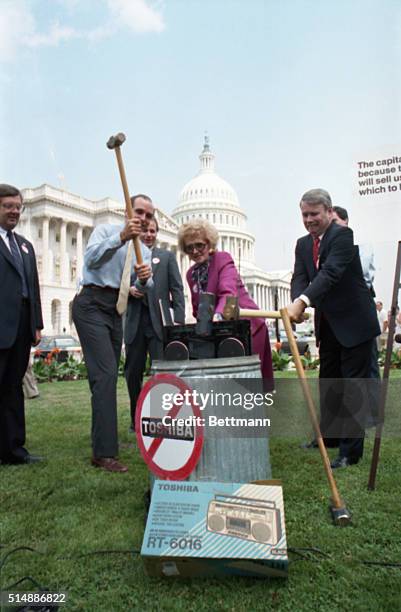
(328,276)
(143,331)
(20,325)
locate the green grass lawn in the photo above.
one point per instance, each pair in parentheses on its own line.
(71,514)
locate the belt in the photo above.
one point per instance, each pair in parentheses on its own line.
(109,289)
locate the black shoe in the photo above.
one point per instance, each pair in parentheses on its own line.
(342,462)
(23,460)
(310,445)
(32,459)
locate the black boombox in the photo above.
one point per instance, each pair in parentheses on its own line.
(225,339)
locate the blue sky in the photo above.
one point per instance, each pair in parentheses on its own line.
(291,92)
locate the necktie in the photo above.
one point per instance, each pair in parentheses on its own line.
(316,246)
(17,257)
(125,284)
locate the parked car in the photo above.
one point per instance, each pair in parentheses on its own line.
(302,344)
(66,345)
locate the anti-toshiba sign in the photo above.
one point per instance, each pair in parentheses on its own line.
(170,437)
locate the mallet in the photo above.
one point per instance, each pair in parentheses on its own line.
(115,142)
(340,514)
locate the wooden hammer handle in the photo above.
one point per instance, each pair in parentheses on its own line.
(128,205)
(311,407)
(263,314)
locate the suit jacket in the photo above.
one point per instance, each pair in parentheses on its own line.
(223,280)
(167,282)
(11,291)
(336,288)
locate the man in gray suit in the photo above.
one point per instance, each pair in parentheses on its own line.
(143,330)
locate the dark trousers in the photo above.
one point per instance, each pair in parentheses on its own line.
(136,352)
(344,397)
(13,364)
(100,331)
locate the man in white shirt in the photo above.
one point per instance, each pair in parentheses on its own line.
(382,316)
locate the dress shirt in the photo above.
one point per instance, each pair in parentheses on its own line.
(302,297)
(105,257)
(368,268)
(3,234)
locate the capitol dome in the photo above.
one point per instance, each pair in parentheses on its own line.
(210,197)
(208,185)
(207,190)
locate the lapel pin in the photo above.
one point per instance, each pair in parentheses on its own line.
(155,260)
(24,248)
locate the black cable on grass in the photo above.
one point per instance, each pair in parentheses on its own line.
(303,553)
(11,552)
(309,549)
(381,563)
(133,551)
(301,556)
(24,579)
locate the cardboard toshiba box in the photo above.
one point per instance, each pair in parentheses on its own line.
(215,528)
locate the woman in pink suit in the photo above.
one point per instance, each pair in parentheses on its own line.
(215,272)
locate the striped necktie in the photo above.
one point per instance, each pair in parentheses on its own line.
(17,257)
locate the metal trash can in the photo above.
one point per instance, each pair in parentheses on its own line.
(223,459)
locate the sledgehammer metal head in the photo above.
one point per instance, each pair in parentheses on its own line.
(204,325)
(340,516)
(231,308)
(116,141)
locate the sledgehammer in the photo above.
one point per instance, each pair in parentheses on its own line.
(115,142)
(340,514)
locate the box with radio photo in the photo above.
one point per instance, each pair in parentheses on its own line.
(212,528)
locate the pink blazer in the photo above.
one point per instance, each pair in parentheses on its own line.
(224,280)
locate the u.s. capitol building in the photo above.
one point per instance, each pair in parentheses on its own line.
(59,224)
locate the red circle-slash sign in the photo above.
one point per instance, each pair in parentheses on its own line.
(171,450)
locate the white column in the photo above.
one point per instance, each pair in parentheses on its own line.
(27,232)
(63,254)
(45,250)
(80,255)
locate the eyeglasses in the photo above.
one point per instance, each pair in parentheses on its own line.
(19,208)
(196,246)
